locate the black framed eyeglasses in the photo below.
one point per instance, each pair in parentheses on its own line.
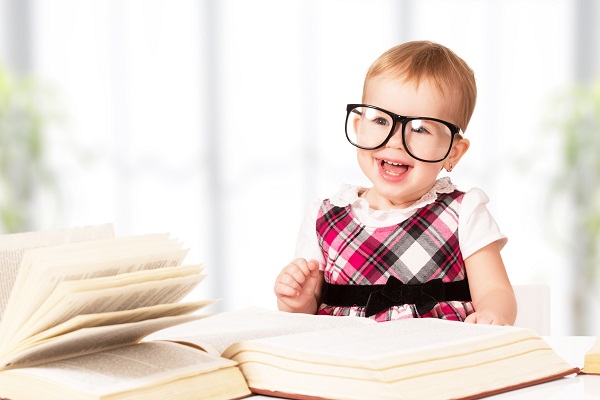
(424,139)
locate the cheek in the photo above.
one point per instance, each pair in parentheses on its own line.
(364,155)
(432,169)
(365,159)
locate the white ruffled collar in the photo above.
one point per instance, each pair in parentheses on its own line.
(348,195)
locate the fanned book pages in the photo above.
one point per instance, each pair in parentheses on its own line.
(13,246)
(591,363)
(78,309)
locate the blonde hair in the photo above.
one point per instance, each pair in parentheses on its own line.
(417,60)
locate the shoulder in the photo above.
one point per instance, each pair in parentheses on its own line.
(473,205)
(477,226)
(473,199)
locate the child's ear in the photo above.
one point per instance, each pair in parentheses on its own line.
(459,149)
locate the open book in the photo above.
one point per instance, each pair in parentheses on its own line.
(304,356)
(591,363)
(82,298)
(357,358)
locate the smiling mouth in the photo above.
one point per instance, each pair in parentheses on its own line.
(393,168)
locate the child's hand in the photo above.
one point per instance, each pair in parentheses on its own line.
(489,318)
(297,285)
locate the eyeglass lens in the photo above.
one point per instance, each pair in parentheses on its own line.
(426,139)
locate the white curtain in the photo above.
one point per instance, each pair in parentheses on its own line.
(218,120)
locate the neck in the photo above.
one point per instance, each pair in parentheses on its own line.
(379,202)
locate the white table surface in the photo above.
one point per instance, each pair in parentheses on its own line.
(573,387)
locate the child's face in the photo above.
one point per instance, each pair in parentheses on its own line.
(398,179)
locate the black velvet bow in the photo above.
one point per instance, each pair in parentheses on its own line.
(424,296)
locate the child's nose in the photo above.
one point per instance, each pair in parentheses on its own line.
(396,139)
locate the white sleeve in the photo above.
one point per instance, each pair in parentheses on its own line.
(307,244)
(476,227)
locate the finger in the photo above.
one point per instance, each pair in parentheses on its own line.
(292,277)
(312,281)
(471,318)
(485,319)
(299,270)
(287,279)
(282,290)
(313,266)
(310,269)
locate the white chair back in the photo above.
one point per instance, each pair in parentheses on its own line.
(533,307)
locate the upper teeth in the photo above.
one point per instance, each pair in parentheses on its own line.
(393,163)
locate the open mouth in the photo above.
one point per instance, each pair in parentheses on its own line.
(393,168)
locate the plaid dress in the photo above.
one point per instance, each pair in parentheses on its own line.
(417,250)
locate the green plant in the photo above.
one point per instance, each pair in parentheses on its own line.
(26,109)
(576,119)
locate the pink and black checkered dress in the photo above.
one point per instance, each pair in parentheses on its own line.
(423,248)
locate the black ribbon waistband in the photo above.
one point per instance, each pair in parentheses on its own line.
(377,298)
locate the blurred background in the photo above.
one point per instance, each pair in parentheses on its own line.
(218,121)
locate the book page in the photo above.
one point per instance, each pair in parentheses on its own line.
(91,340)
(591,360)
(392,340)
(118,293)
(411,358)
(113,318)
(12,247)
(127,368)
(215,333)
(43,269)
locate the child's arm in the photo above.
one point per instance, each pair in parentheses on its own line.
(491,291)
(298,287)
